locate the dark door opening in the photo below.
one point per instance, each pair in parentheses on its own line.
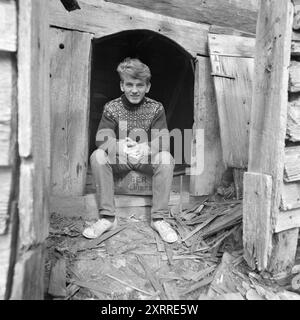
(172,80)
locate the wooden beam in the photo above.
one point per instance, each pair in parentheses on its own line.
(292,164)
(70,75)
(206,161)
(288,220)
(232,46)
(293,120)
(210,11)
(99,17)
(8,25)
(270,94)
(257,231)
(294,80)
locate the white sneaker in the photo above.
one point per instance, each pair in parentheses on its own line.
(165,231)
(99,227)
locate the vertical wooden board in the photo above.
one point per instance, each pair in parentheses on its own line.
(8,25)
(257,230)
(284,251)
(69,68)
(28,281)
(7,102)
(233,87)
(207,163)
(270,93)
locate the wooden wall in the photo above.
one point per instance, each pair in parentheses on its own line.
(25,142)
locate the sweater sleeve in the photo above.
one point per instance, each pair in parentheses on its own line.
(106,136)
(160,137)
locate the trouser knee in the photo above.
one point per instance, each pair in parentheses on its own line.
(99,156)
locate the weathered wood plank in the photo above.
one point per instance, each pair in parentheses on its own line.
(294,79)
(269,106)
(270,94)
(209,11)
(207,164)
(257,232)
(70,61)
(290,196)
(34,119)
(284,251)
(230,45)
(293,120)
(99,17)
(292,164)
(296,23)
(7,105)
(8,25)
(233,86)
(288,220)
(28,282)
(5,251)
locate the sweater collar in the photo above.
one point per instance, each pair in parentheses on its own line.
(131,106)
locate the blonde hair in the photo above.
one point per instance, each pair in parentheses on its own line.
(134,68)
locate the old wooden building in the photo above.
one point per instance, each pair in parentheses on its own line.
(229,68)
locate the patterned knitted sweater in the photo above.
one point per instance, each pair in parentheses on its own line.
(122,119)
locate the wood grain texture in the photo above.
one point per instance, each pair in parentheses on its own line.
(34,120)
(270,94)
(99,17)
(70,61)
(233,86)
(257,231)
(292,164)
(294,79)
(238,14)
(290,198)
(5,250)
(8,25)
(288,220)
(5,192)
(207,163)
(7,105)
(28,282)
(231,45)
(293,120)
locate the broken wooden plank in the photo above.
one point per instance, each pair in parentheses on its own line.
(155,282)
(292,164)
(293,120)
(57,282)
(294,77)
(8,26)
(257,235)
(130,285)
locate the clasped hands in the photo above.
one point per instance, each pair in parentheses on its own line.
(135,151)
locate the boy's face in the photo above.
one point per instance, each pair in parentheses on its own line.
(134,89)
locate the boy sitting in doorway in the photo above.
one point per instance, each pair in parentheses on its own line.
(132,135)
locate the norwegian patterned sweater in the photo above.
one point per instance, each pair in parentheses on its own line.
(122,119)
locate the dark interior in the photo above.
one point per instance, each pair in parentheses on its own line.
(172,71)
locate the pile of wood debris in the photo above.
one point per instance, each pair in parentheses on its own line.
(132,262)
